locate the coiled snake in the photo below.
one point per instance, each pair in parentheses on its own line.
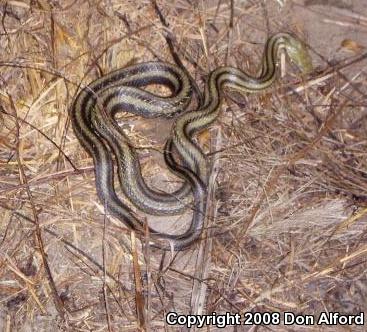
(92,117)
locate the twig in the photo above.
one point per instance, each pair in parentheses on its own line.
(139,298)
(104,259)
(57,300)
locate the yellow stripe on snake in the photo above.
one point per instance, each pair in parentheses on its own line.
(93,119)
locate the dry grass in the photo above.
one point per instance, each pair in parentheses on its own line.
(287,223)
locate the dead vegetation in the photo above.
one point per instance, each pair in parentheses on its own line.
(287,221)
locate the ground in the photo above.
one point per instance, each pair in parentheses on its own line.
(286,219)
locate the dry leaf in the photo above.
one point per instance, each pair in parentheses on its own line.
(204,137)
(352,46)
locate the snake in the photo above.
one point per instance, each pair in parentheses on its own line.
(93,120)
(88,102)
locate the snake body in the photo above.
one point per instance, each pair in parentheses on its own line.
(122,98)
(92,117)
(88,102)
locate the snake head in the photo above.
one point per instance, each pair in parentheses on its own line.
(297,52)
